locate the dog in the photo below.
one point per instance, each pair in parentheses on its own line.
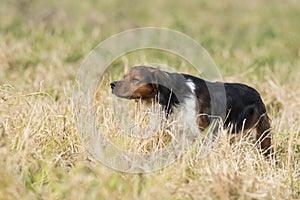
(203,100)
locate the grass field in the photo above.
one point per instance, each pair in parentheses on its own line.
(43,43)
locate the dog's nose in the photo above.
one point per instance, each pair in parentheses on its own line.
(113,85)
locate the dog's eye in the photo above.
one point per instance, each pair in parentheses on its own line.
(135,79)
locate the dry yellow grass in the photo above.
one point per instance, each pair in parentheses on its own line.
(41,47)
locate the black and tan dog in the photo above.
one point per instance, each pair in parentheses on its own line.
(244,108)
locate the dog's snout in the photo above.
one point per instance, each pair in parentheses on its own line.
(113,85)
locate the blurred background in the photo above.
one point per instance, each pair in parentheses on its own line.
(46,35)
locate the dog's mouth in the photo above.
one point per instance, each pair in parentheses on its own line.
(124,96)
(132,96)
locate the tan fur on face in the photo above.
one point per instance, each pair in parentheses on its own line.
(134,84)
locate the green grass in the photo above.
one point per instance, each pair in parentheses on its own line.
(43,43)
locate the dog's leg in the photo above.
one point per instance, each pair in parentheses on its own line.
(210,138)
(254,116)
(246,119)
(264,136)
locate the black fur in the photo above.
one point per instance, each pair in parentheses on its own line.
(171,89)
(241,100)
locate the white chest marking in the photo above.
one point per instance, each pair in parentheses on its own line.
(187,111)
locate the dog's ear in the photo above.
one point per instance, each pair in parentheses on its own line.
(159,79)
(162,84)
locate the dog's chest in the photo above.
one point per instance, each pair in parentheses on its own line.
(186,111)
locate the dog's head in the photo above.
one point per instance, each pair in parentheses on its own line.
(140,82)
(147,83)
(136,84)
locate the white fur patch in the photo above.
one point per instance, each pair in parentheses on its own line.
(187,111)
(191,85)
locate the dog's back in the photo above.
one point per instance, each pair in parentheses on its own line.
(244,108)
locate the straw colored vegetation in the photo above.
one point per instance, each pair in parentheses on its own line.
(43,43)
